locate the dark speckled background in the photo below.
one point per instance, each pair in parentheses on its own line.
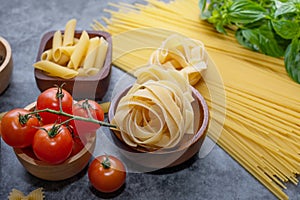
(216,176)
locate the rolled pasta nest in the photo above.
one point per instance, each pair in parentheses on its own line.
(157,111)
(184,54)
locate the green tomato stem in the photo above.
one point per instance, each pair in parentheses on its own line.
(101,123)
(106,162)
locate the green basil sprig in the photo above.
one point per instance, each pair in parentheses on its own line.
(271,27)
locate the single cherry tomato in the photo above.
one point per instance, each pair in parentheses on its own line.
(107,173)
(18,128)
(87,109)
(52,143)
(50,99)
(78,145)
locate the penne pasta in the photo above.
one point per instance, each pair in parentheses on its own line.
(69,33)
(67,52)
(63,60)
(47,55)
(79,51)
(54,69)
(91,53)
(87,71)
(56,43)
(101,55)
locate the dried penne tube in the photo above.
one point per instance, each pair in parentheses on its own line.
(56,43)
(87,71)
(53,69)
(47,55)
(67,50)
(91,54)
(79,51)
(69,33)
(64,59)
(101,55)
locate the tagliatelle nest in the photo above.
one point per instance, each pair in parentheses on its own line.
(156,112)
(183,54)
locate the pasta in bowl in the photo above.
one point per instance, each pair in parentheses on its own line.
(80,59)
(161,119)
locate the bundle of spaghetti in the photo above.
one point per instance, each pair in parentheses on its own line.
(262,128)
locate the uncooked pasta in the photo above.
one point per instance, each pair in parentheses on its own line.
(261,129)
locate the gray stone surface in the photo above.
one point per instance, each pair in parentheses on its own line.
(216,176)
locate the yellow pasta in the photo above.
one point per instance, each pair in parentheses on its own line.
(47,55)
(67,50)
(91,54)
(69,33)
(37,194)
(105,106)
(186,55)
(101,55)
(87,71)
(156,112)
(84,55)
(261,128)
(53,69)
(63,60)
(79,51)
(56,43)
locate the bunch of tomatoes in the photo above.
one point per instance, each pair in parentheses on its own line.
(57,129)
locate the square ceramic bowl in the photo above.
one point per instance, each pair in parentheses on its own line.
(81,87)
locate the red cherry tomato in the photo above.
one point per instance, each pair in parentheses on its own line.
(50,99)
(18,128)
(78,145)
(87,109)
(52,143)
(107,173)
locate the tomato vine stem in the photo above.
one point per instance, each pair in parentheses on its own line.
(101,123)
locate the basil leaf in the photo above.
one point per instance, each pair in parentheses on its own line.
(285,8)
(244,41)
(287,29)
(292,59)
(245,11)
(202,5)
(260,39)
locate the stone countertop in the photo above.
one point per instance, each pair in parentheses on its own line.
(216,176)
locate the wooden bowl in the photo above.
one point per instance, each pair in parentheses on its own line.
(6,64)
(91,87)
(72,166)
(164,158)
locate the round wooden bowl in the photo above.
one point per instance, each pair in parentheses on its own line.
(6,67)
(81,87)
(72,166)
(166,157)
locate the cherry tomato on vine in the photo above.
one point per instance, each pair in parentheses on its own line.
(88,109)
(18,128)
(52,143)
(78,145)
(50,99)
(107,173)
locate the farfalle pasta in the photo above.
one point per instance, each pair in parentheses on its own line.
(156,112)
(37,194)
(183,54)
